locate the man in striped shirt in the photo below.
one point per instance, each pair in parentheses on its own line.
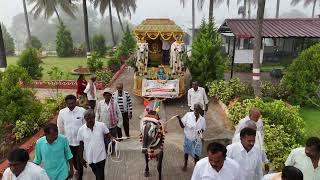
(124,101)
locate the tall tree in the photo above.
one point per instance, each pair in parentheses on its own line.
(3,59)
(111,24)
(103,5)
(200,6)
(26,19)
(86,28)
(49,7)
(306,3)
(257,46)
(278,8)
(124,7)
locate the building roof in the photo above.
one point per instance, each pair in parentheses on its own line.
(273,28)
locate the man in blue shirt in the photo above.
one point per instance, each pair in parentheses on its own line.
(53,152)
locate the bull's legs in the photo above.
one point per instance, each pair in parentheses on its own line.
(146,171)
(159,167)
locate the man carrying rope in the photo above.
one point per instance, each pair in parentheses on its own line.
(194,125)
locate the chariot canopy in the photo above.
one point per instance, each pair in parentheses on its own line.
(165,29)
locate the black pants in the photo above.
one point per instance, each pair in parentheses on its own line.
(92,104)
(76,161)
(98,169)
(125,117)
(166,57)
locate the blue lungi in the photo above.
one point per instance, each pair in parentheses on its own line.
(192,147)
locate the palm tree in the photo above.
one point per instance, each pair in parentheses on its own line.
(27,20)
(103,5)
(49,7)
(212,3)
(256,51)
(86,28)
(125,7)
(278,8)
(306,3)
(200,5)
(3,60)
(246,8)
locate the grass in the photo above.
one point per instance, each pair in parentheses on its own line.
(311,116)
(65,64)
(268,67)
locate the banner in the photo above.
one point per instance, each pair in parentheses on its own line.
(160,89)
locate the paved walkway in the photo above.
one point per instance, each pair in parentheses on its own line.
(132,165)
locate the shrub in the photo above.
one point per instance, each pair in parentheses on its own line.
(302,78)
(94,63)
(114,65)
(104,76)
(275,91)
(126,47)
(226,91)
(64,43)
(18,105)
(284,128)
(99,45)
(207,62)
(30,60)
(8,41)
(79,51)
(34,43)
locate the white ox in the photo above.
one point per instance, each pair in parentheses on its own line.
(142,57)
(176,53)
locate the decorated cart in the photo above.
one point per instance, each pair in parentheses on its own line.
(157,76)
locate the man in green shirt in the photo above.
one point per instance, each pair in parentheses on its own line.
(53,152)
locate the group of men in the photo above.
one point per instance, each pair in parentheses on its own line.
(245,157)
(77,131)
(80,131)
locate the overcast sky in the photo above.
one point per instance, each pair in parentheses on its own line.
(171,9)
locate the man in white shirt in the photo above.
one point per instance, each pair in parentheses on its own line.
(307,159)
(20,169)
(197,95)
(216,166)
(247,155)
(108,112)
(70,119)
(91,137)
(254,115)
(288,173)
(194,125)
(258,142)
(91,91)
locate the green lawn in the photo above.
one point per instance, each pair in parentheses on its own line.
(312,119)
(268,67)
(65,64)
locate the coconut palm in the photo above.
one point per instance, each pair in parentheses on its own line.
(27,20)
(212,3)
(86,28)
(103,5)
(200,5)
(3,60)
(246,4)
(256,50)
(278,8)
(49,7)
(306,3)
(125,7)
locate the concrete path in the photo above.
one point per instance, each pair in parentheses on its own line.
(132,165)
